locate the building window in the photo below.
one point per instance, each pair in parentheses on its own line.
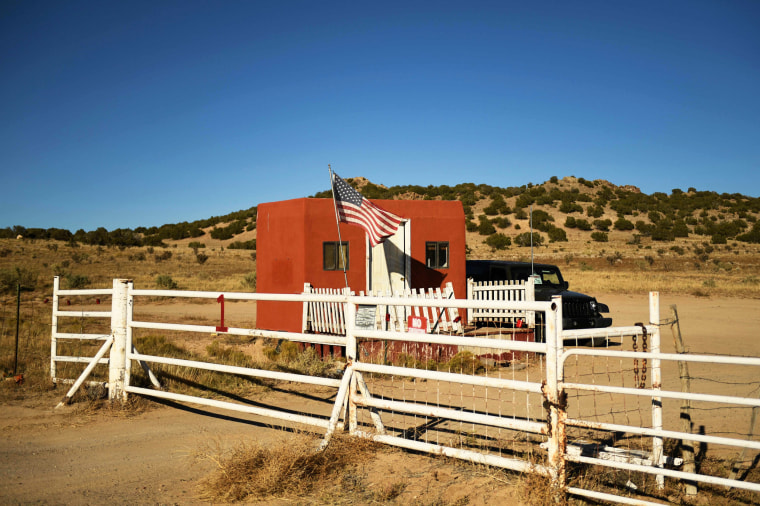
(334,255)
(437,255)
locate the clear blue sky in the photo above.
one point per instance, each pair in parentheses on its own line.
(141,113)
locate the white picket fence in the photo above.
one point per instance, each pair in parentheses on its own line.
(329,317)
(503,291)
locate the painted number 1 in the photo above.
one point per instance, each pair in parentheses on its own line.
(221,327)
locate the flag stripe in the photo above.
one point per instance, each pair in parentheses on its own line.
(354,208)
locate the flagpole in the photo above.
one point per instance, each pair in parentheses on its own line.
(337,224)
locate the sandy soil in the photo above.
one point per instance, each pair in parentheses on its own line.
(70,456)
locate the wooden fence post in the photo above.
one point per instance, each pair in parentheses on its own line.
(118,358)
(54,330)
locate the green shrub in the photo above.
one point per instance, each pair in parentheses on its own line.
(498,241)
(595,211)
(556,234)
(249,281)
(524,239)
(197,245)
(502,222)
(164,281)
(465,362)
(623,225)
(164,255)
(599,236)
(10,279)
(603,225)
(582,224)
(486,227)
(201,258)
(570,207)
(644,228)
(76,281)
(229,231)
(243,244)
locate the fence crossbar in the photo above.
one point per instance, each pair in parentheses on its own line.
(503,344)
(450,414)
(86,291)
(271,334)
(78,360)
(469,455)
(645,431)
(667,394)
(82,337)
(484,381)
(265,412)
(83,314)
(607,332)
(611,497)
(277,297)
(670,473)
(681,357)
(242,371)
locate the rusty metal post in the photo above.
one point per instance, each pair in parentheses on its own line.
(654,347)
(687,446)
(554,395)
(18,325)
(117,365)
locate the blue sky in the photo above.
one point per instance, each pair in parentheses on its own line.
(127,114)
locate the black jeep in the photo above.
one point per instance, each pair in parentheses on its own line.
(579,311)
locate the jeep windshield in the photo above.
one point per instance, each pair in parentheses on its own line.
(547,275)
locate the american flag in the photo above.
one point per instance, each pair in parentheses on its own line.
(353,208)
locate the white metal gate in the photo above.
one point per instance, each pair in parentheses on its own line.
(526,412)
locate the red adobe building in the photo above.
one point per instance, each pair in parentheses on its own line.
(297,243)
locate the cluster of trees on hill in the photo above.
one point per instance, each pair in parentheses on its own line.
(142,236)
(660,216)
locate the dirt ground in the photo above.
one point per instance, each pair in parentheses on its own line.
(76,456)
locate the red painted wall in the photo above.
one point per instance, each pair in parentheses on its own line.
(289,241)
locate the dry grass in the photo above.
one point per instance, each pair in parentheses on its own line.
(291,467)
(225,269)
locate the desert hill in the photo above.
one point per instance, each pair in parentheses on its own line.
(614,238)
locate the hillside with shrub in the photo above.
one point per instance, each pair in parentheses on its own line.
(693,241)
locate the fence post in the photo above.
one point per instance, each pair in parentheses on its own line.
(118,359)
(128,346)
(305,317)
(470,296)
(554,395)
(530,296)
(54,329)
(654,347)
(350,312)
